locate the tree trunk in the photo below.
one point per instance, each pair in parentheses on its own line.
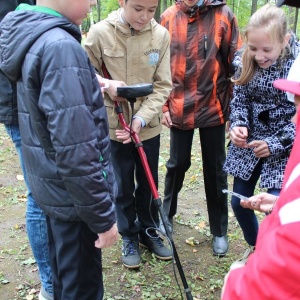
(253,7)
(98,10)
(296,21)
(158,12)
(165,5)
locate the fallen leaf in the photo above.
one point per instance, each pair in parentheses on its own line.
(20,177)
(137,289)
(202,224)
(193,178)
(32,291)
(4,281)
(191,241)
(34,270)
(22,199)
(29,261)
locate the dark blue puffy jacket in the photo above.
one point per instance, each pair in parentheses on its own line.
(62,119)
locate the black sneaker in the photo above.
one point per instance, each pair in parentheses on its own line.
(156,246)
(131,254)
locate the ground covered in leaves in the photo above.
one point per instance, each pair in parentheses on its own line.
(154,279)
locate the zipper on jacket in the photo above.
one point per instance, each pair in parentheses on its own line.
(205,45)
(131,29)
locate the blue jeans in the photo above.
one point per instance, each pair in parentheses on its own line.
(246,217)
(36,225)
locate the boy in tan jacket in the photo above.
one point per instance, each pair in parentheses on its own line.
(134,49)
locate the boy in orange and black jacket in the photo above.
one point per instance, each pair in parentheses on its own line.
(204,38)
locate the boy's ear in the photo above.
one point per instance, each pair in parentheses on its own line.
(121,3)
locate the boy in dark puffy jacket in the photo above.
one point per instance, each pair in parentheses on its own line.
(65,139)
(36,226)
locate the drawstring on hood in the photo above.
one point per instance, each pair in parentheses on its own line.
(117,21)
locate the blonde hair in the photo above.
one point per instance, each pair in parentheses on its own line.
(272,21)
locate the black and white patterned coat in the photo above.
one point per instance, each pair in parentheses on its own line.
(267,113)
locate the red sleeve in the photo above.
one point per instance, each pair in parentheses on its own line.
(273,270)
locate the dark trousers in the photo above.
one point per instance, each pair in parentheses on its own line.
(246,217)
(135,209)
(212,141)
(75,261)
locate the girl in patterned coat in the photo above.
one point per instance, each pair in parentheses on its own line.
(261,131)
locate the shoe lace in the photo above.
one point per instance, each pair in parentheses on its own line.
(130,247)
(158,241)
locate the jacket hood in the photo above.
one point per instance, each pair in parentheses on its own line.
(201,6)
(19,30)
(115,19)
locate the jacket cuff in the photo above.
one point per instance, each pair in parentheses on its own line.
(237,123)
(274,145)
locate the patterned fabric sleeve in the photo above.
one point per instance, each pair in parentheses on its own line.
(282,141)
(239,107)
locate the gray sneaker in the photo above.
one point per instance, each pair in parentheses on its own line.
(131,254)
(44,295)
(156,246)
(243,260)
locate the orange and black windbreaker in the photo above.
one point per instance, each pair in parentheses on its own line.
(203,43)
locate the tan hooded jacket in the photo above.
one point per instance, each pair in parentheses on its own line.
(133,57)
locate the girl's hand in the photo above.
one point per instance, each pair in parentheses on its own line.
(238,136)
(263,202)
(260,148)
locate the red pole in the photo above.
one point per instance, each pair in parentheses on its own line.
(140,150)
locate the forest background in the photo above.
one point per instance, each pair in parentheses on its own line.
(155,280)
(243,9)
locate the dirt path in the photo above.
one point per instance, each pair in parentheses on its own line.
(154,280)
